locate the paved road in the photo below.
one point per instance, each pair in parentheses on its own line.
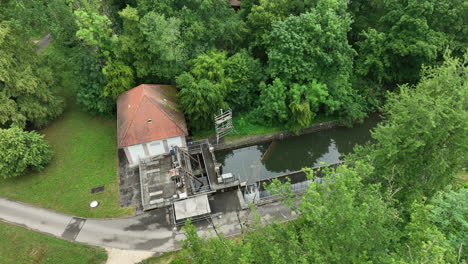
(151,231)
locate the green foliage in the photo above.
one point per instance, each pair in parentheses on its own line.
(449,213)
(451,18)
(200,100)
(202,91)
(422,143)
(345,221)
(90,84)
(403,42)
(304,103)
(27,87)
(96,31)
(164,41)
(246,74)
(273,107)
(20,150)
(314,46)
(260,16)
(204,25)
(423,242)
(153,38)
(342,220)
(119,78)
(84,157)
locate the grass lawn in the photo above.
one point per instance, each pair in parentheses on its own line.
(85,157)
(19,245)
(245,127)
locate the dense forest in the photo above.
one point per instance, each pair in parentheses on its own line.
(277,63)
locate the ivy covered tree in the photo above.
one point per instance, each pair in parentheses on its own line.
(21,150)
(152,38)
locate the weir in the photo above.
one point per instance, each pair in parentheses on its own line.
(289,156)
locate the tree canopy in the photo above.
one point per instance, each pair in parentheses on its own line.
(422,142)
(20,151)
(28,95)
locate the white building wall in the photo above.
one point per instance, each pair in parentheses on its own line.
(154,148)
(136,152)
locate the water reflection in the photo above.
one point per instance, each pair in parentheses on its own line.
(294,153)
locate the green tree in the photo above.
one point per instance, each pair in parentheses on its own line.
(164,40)
(153,38)
(246,74)
(20,150)
(273,108)
(89,89)
(304,103)
(422,142)
(403,42)
(27,88)
(204,88)
(341,221)
(448,211)
(96,31)
(260,16)
(451,18)
(314,46)
(422,242)
(346,221)
(200,100)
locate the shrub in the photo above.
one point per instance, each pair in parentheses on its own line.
(21,150)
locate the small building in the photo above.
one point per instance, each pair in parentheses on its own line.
(235,4)
(149,122)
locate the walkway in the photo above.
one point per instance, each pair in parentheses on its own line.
(150,231)
(43,43)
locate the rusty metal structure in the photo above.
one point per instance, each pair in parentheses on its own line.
(223,124)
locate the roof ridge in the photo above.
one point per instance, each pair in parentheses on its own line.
(167,114)
(131,122)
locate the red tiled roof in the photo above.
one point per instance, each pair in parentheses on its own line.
(149,112)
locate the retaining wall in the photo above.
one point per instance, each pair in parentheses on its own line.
(254,140)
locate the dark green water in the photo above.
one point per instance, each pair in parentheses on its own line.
(294,153)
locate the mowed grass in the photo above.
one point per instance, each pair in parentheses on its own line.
(85,157)
(21,246)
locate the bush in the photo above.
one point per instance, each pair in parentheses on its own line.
(21,150)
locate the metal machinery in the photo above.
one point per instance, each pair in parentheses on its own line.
(223,124)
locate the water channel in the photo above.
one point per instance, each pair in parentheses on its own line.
(269,160)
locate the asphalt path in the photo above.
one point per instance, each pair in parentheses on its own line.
(151,231)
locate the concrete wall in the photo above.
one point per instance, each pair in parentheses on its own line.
(254,140)
(153,148)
